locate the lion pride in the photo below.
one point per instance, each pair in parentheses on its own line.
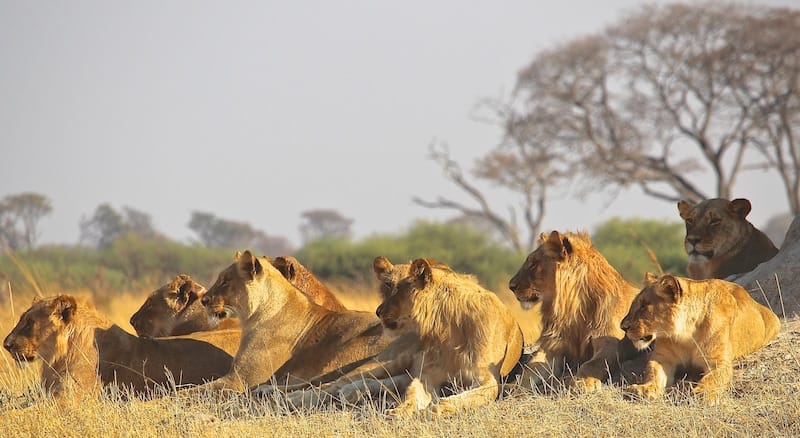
(175,309)
(80,347)
(701,325)
(582,298)
(468,338)
(720,241)
(286,337)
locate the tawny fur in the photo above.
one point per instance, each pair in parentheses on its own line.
(720,241)
(386,372)
(468,338)
(582,298)
(82,349)
(286,338)
(701,325)
(175,308)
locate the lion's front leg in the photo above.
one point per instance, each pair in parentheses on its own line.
(601,366)
(418,396)
(542,370)
(488,387)
(657,377)
(715,381)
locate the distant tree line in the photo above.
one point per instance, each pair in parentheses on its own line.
(122,250)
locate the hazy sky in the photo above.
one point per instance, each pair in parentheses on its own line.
(257,111)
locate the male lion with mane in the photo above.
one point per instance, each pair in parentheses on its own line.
(286,337)
(582,298)
(696,325)
(79,346)
(720,240)
(468,338)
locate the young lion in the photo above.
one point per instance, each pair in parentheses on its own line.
(386,372)
(468,338)
(703,325)
(720,241)
(583,298)
(80,346)
(285,336)
(175,309)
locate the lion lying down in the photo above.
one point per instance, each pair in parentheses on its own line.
(176,309)
(583,299)
(81,348)
(385,373)
(696,325)
(286,337)
(468,338)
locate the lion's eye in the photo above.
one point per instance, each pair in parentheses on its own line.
(714,222)
(690,221)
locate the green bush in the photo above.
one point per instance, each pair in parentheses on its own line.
(460,246)
(625,243)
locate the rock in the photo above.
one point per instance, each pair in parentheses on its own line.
(776,282)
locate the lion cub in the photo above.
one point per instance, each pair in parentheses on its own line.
(698,324)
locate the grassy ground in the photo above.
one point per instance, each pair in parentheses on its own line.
(764,401)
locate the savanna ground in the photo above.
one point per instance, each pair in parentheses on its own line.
(764,401)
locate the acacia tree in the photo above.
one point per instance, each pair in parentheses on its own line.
(19,219)
(324,223)
(215,232)
(659,101)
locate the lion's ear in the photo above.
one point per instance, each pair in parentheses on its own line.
(381,265)
(185,288)
(555,245)
(421,272)
(740,207)
(285,266)
(542,238)
(36,299)
(685,209)
(237,256)
(650,278)
(64,307)
(249,266)
(671,287)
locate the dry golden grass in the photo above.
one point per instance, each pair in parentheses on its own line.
(764,401)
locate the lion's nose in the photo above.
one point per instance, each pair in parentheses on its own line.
(379,310)
(693,240)
(7,344)
(625,325)
(205,300)
(513,284)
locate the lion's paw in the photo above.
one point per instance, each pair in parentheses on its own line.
(644,391)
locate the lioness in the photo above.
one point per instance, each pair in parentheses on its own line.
(80,346)
(468,338)
(303,279)
(582,298)
(285,336)
(386,372)
(175,309)
(720,241)
(702,325)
